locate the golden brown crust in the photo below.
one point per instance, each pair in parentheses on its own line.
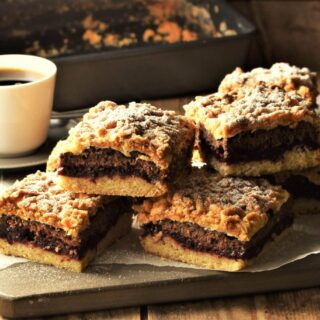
(53,162)
(115,185)
(39,198)
(295,159)
(33,253)
(139,127)
(279,75)
(234,206)
(168,248)
(225,115)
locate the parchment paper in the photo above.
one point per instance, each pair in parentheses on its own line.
(299,241)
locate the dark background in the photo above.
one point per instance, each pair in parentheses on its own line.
(288,31)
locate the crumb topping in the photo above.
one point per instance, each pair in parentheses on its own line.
(155,133)
(53,162)
(39,198)
(227,114)
(235,206)
(280,75)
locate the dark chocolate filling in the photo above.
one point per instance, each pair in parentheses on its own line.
(261,144)
(96,162)
(15,230)
(300,186)
(194,237)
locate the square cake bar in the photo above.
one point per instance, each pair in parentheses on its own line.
(41,222)
(134,150)
(304,187)
(215,222)
(261,131)
(280,75)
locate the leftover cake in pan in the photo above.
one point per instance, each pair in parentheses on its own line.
(127,50)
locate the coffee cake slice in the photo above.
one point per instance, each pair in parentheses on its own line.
(41,222)
(281,75)
(213,221)
(134,150)
(261,131)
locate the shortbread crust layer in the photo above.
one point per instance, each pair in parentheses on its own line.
(296,159)
(167,247)
(115,185)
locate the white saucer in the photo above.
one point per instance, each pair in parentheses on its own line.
(40,156)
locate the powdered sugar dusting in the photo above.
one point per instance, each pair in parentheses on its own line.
(137,127)
(38,197)
(227,114)
(279,75)
(235,206)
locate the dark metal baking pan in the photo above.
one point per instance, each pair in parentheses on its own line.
(141,71)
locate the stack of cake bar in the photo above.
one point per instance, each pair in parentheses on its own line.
(259,135)
(261,129)
(265,123)
(69,214)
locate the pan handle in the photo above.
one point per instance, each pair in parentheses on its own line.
(69,114)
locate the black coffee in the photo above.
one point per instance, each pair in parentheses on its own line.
(11,77)
(12,82)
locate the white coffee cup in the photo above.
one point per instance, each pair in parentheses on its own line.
(25,108)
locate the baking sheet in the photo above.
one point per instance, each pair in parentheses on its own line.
(299,241)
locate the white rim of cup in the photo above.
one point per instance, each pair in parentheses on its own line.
(47,74)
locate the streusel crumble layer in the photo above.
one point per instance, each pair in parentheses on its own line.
(235,206)
(282,75)
(225,115)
